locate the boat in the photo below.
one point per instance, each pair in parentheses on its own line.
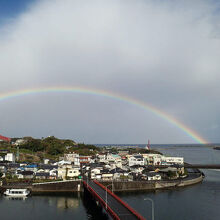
(17,192)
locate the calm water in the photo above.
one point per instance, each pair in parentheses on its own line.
(197,202)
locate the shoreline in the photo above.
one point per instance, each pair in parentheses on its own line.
(74,186)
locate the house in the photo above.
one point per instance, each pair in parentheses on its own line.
(73,158)
(118,173)
(84,159)
(107,176)
(74,172)
(46,161)
(25,175)
(47,167)
(94,172)
(153,159)
(12,167)
(173,160)
(68,171)
(136,160)
(42,175)
(10,157)
(63,162)
(53,173)
(153,176)
(30,167)
(113,158)
(137,168)
(3,168)
(101,157)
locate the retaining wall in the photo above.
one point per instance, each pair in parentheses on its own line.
(118,186)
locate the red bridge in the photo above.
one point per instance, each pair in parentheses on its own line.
(113,205)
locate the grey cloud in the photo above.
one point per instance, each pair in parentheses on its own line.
(164,53)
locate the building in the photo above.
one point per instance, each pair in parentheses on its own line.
(25,175)
(136,160)
(42,175)
(173,160)
(96,172)
(68,172)
(10,157)
(73,158)
(153,176)
(84,159)
(153,159)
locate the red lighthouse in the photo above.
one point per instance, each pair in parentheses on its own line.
(148,145)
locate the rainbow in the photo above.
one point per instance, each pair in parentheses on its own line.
(112,95)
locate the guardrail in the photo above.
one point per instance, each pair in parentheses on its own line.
(111,212)
(121,201)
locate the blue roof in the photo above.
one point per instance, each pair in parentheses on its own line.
(31,166)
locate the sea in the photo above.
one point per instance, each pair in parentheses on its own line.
(197,202)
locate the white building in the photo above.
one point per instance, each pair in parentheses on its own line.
(136,160)
(153,159)
(101,157)
(96,173)
(73,158)
(113,158)
(62,162)
(173,160)
(10,157)
(153,176)
(46,161)
(68,171)
(107,176)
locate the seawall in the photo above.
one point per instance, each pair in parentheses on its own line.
(126,186)
(72,186)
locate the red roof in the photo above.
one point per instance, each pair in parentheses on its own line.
(5,138)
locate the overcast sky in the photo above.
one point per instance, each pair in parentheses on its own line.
(165,53)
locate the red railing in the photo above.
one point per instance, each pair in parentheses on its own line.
(103,203)
(121,201)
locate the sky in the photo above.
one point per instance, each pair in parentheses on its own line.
(164,53)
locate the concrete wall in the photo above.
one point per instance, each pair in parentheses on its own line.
(150,185)
(118,186)
(57,187)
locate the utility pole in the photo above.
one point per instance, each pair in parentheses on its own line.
(17,155)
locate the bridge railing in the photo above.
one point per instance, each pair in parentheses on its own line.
(103,202)
(121,201)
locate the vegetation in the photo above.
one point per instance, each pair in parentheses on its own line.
(171,174)
(34,150)
(52,145)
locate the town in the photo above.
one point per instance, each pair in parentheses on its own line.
(104,163)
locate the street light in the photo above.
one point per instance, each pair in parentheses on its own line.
(152,203)
(106,196)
